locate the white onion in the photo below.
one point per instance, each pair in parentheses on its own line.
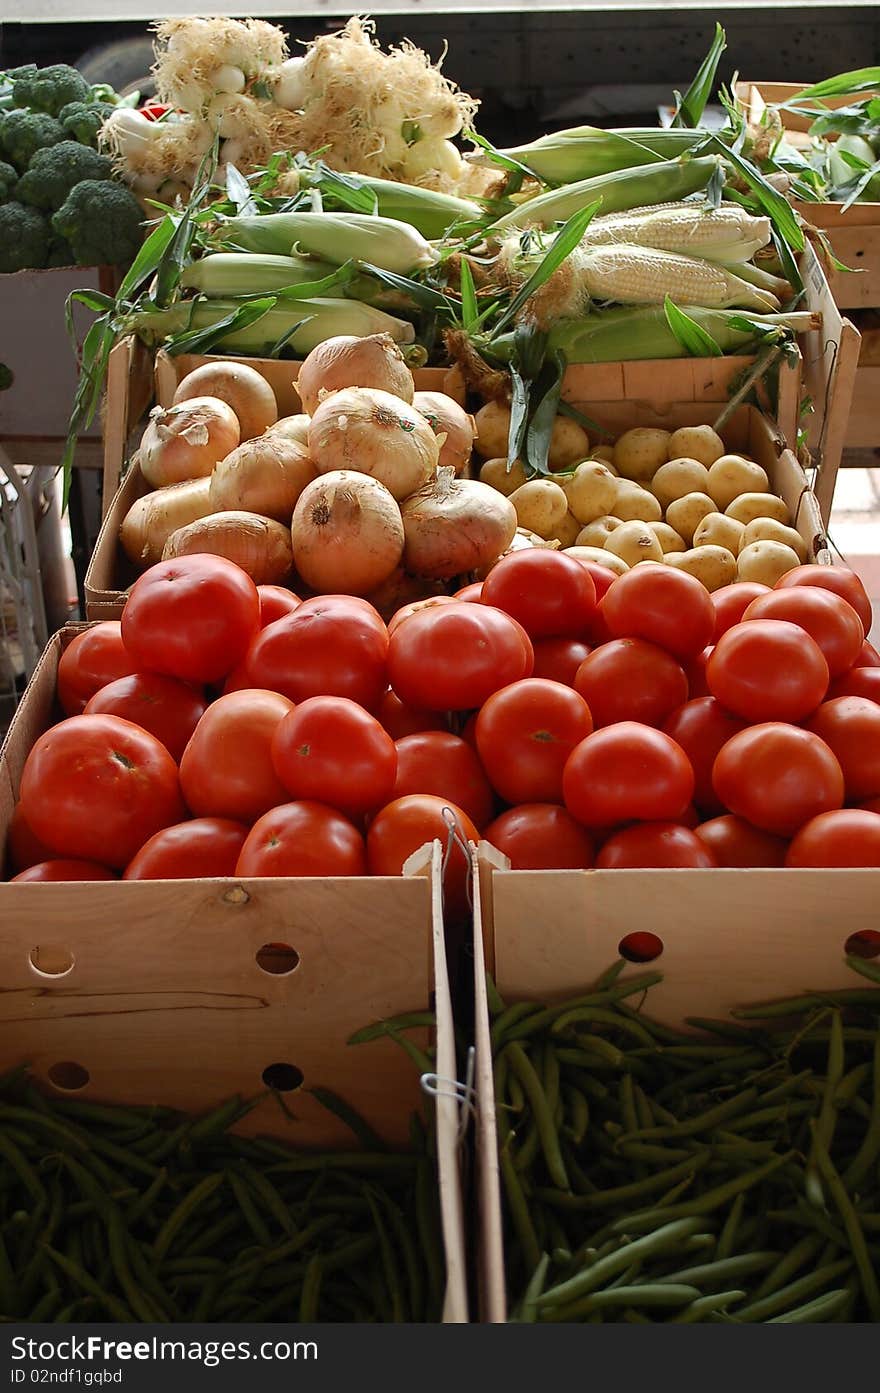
(447,418)
(186,441)
(454,526)
(294,428)
(240,386)
(261,546)
(374,433)
(265,476)
(348,361)
(150,521)
(347,534)
(291,87)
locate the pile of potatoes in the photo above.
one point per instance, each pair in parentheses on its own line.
(677,497)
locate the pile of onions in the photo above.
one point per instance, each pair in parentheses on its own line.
(454,526)
(374,433)
(260,546)
(150,521)
(347,533)
(347,361)
(186,441)
(294,428)
(447,418)
(241,387)
(265,476)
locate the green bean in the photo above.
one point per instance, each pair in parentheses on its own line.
(706,1306)
(415,1284)
(389,1267)
(528,1313)
(870,1147)
(607,978)
(662,1155)
(524,1157)
(367,1162)
(787,1298)
(310,1294)
(114,1307)
(823,1130)
(47,1307)
(603,1199)
(851,1223)
(519,1211)
(865,969)
(705,1203)
(184,1210)
(743,1265)
(251,1215)
(144,1203)
(578,1110)
(598,1015)
(805,1250)
(651,1296)
(549,1139)
(781,1112)
(390,1027)
(824,1308)
(703,1123)
(607,1267)
(728,1235)
(493,996)
(502,1024)
(22,1168)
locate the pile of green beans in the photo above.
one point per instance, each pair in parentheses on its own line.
(728,1173)
(111,1213)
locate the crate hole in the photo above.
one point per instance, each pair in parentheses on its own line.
(283,1077)
(640,947)
(865,943)
(68,1076)
(278,959)
(51,959)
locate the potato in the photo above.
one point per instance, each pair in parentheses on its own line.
(597,532)
(590,490)
(632,503)
(713,566)
(540,506)
(568,531)
(678,478)
(569,443)
(493,427)
(605,453)
(598,555)
(634,542)
(732,475)
(686,514)
(495,473)
(769,530)
(749,506)
(765,562)
(667,537)
(696,442)
(639,453)
(718,530)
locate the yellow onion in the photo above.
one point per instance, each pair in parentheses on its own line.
(293,428)
(348,361)
(240,386)
(453,526)
(260,546)
(347,534)
(186,441)
(449,420)
(265,475)
(375,433)
(150,521)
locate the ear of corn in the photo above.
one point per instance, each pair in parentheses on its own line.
(633,275)
(338,237)
(583,152)
(431,213)
(727,234)
(247,273)
(620,191)
(317,320)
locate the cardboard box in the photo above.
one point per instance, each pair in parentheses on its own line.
(160,992)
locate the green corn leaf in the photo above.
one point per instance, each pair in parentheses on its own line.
(694,339)
(690,107)
(847,120)
(238,191)
(843,85)
(470,313)
(201,340)
(424,295)
(870,171)
(563,244)
(347,189)
(496,156)
(281,343)
(519,416)
(773,204)
(93,357)
(547,390)
(148,258)
(586,422)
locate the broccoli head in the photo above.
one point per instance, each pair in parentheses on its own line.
(54,172)
(49,89)
(24,237)
(83,120)
(60,253)
(25,132)
(8,181)
(102,221)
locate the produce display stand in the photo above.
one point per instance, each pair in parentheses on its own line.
(183,993)
(728,938)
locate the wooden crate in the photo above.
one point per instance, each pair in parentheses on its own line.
(156,990)
(729,938)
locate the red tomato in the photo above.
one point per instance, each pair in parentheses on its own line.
(603,576)
(695,672)
(226,770)
(471,594)
(65,870)
(731,602)
(94,788)
(847,837)
(689,818)
(167,708)
(541,837)
(829,620)
(868,656)
(330,646)
(558,659)
(22,847)
(448,767)
(275,602)
(735,842)
(89,662)
(840,579)
(654,844)
(871,805)
(204,848)
(665,606)
(767,670)
(407,824)
(469,730)
(777,777)
(400,720)
(525,733)
(701,727)
(630,679)
(413,608)
(191,618)
(453,657)
(860,682)
(302,839)
(551,595)
(330,750)
(627,773)
(238,679)
(850,726)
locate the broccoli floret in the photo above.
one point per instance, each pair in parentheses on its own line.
(49,89)
(24,237)
(83,120)
(54,172)
(8,181)
(60,253)
(102,221)
(26,132)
